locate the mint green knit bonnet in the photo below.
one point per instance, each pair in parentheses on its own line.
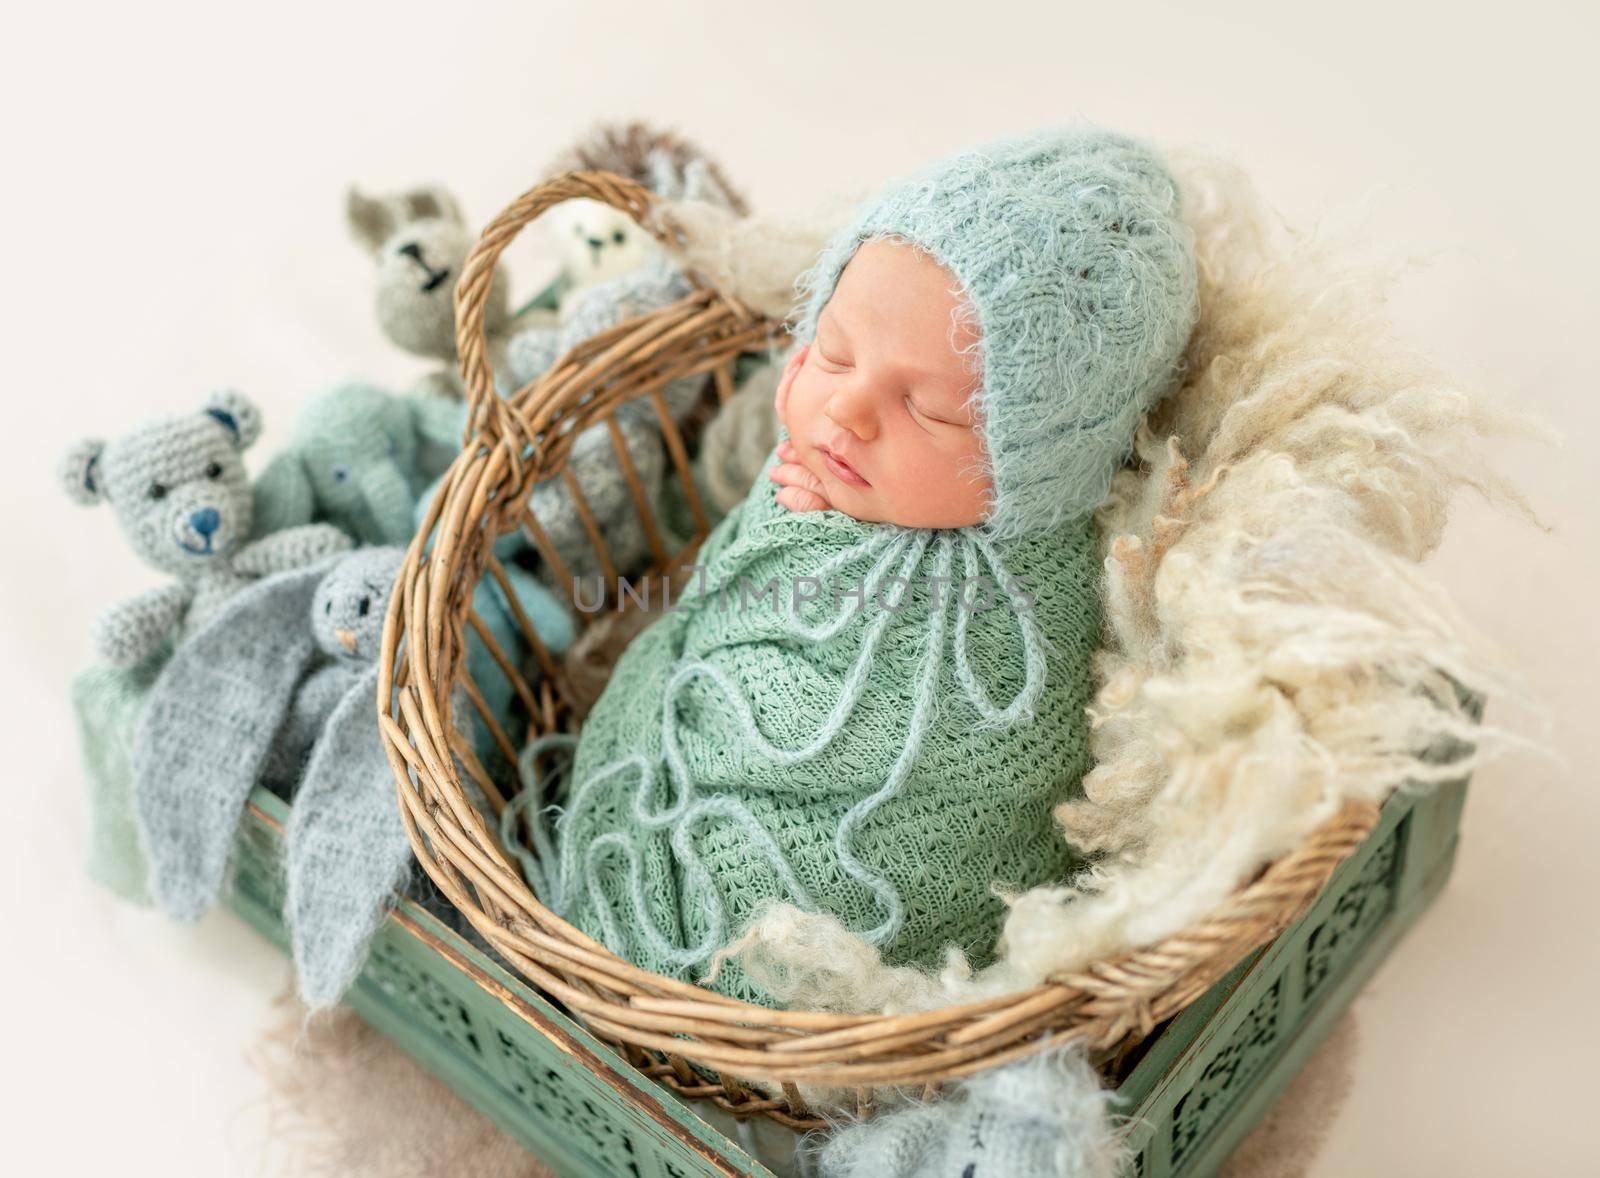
(1072,251)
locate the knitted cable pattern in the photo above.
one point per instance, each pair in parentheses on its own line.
(863,739)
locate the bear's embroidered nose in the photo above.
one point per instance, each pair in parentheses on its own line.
(347,639)
(205,521)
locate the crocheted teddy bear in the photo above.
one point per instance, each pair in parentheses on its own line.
(179,488)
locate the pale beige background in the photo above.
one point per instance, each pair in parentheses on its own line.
(173,223)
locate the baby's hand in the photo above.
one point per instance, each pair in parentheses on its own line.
(798,488)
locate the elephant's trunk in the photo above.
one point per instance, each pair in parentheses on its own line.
(387,494)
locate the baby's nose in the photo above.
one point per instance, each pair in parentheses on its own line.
(205,521)
(853,412)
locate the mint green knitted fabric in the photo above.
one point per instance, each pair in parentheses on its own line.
(106,703)
(716,771)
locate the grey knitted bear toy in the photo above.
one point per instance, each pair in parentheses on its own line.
(179,488)
(593,460)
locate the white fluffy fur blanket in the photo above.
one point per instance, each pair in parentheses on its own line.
(1271,648)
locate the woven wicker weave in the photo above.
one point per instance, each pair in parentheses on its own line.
(662,1025)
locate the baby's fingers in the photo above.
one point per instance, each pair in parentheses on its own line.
(799,499)
(792,474)
(799,489)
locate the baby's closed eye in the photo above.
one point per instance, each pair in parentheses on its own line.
(933,417)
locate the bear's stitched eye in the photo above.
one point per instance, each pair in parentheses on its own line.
(157,491)
(617,237)
(327,607)
(366,604)
(340,472)
(213,470)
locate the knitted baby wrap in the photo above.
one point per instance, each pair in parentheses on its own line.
(858,718)
(888,753)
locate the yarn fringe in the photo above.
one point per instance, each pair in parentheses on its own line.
(1271,649)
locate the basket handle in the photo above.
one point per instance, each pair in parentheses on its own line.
(472,291)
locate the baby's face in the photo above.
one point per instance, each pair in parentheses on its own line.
(876,406)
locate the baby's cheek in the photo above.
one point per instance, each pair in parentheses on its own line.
(805,400)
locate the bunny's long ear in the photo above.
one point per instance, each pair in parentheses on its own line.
(371,220)
(206,729)
(347,849)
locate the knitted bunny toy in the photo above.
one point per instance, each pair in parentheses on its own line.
(358,458)
(871,713)
(420,242)
(287,669)
(180,491)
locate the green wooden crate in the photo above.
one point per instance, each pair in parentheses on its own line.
(1197,1088)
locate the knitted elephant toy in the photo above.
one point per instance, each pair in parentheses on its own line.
(285,672)
(1043,1116)
(358,458)
(180,491)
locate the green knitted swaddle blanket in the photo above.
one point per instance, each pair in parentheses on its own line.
(862,719)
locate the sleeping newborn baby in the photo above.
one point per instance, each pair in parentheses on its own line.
(872,693)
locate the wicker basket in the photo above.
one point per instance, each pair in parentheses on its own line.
(703,1044)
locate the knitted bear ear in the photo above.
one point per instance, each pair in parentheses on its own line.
(79,471)
(237,414)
